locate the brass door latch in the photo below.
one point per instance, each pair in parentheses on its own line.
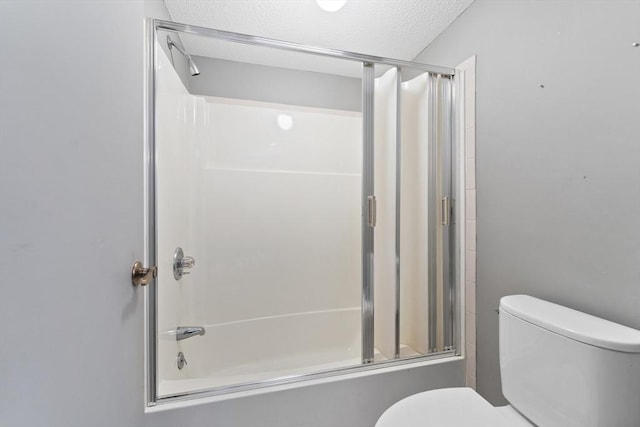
(142,276)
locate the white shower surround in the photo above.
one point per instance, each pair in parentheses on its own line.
(273,219)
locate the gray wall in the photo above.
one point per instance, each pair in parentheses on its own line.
(71,225)
(273,84)
(558,168)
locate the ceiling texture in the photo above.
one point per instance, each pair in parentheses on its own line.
(397,29)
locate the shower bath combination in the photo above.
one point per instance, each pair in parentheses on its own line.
(324,246)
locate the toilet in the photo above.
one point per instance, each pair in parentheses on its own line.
(559,367)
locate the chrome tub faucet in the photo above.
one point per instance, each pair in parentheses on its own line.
(184,332)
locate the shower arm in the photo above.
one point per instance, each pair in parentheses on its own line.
(173,44)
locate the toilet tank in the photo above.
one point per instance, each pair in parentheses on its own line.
(564,368)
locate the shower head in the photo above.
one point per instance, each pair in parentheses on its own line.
(193,68)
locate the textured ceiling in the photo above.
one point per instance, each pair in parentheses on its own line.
(390,28)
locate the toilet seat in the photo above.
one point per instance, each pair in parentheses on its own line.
(449,407)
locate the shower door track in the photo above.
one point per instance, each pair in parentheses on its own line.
(150,179)
(217,391)
(297,47)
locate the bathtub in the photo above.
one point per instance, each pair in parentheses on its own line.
(260,349)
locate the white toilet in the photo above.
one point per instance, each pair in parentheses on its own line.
(560,368)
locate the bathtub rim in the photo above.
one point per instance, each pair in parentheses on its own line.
(195,398)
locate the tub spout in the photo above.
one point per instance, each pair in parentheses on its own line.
(184,332)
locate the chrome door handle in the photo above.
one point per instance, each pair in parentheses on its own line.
(446,210)
(372,213)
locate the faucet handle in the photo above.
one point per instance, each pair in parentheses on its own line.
(187,262)
(180,262)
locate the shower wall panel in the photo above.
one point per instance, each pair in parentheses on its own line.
(280,210)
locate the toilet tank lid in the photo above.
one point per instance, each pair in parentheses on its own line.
(572,323)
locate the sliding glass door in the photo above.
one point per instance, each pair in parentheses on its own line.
(301,210)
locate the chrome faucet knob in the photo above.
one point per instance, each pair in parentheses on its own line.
(187,262)
(180,262)
(181,361)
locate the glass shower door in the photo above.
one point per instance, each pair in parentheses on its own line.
(263,189)
(412,283)
(300,212)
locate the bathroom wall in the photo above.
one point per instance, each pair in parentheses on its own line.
(557,157)
(72,225)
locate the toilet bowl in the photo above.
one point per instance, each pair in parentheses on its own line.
(450,407)
(559,368)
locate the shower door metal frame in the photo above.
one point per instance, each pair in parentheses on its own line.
(368,204)
(150,209)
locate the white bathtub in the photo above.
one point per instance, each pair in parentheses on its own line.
(261,349)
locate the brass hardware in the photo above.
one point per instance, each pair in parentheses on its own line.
(142,276)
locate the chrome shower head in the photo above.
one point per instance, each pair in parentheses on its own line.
(193,68)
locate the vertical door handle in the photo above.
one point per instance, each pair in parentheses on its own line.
(446,211)
(371,207)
